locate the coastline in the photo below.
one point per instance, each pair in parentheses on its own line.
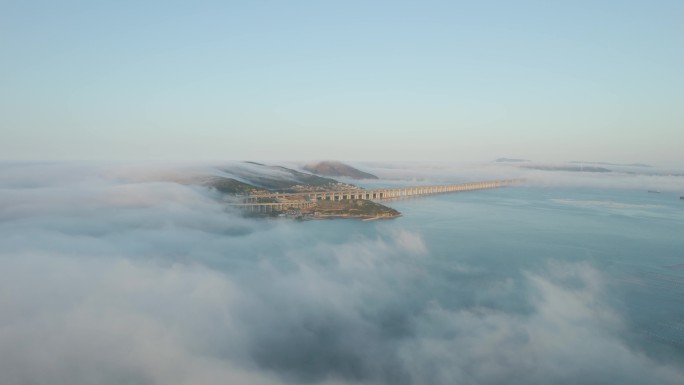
(362,218)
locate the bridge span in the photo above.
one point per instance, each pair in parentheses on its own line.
(285,200)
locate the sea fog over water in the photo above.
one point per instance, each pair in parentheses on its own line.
(116,274)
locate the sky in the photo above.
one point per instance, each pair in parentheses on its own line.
(352,80)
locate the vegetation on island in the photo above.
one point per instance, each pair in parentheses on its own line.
(232,186)
(359,208)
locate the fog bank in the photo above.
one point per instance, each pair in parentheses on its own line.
(110,274)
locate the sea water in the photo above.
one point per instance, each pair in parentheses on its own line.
(478,241)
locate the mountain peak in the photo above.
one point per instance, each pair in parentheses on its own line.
(335,168)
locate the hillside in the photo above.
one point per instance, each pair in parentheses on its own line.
(230,186)
(333,168)
(278,178)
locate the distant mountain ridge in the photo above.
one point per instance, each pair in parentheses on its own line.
(334,168)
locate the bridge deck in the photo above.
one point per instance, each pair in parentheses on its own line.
(307,198)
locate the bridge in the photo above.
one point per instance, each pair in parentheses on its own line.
(308,199)
(270,206)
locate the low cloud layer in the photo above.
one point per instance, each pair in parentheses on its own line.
(107,279)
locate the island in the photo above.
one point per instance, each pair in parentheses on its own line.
(260,182)
(261,190)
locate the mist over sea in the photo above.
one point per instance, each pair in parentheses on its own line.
(110,274)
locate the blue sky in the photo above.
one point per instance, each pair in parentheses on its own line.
(356,80)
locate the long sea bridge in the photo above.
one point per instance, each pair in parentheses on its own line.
(280,201)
